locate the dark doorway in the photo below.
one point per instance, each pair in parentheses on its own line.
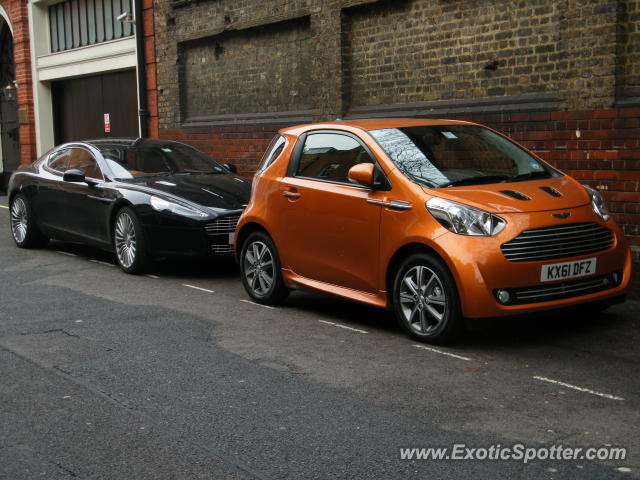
(80,105)
(9,127)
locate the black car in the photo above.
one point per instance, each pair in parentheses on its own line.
(143,199)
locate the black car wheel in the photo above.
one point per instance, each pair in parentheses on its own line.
(425,300)
(129,242)
(260,270)
(23,228)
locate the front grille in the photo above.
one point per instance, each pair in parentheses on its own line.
(558,242)
(558,291)
(222,225)
(222,249)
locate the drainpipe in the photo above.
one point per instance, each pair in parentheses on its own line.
(143,113)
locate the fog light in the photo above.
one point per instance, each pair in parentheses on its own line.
(503,296)
(616,278)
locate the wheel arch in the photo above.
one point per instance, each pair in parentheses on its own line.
(400,255)
(246,230)
(117,206)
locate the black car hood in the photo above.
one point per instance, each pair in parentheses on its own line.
(226,191)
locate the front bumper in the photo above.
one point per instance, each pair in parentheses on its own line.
(481,270)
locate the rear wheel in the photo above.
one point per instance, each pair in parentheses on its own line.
(260,270)
(129,242)
(23,228)
(425,300)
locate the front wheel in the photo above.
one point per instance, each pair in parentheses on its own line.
(425,300)
(129,242)
(260,270)
(23,226)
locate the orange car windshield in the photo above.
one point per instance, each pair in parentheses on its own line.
(450,155)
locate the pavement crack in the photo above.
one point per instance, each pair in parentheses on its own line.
(65,469)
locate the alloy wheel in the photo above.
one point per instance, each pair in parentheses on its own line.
(19,220)
(258,268)
(125,240)
(422,299)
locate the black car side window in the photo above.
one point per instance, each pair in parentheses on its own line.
(81,159)
(330,156)
(59,161)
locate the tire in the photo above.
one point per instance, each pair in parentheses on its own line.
(426,301)
(129,242)
(23,226)
(260,270)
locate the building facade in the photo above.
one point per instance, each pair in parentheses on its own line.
(69,71)
(560,76)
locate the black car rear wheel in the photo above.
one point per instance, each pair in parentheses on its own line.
(129,242)
(260,270)
(23,228)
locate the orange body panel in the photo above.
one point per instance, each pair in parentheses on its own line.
(341,238)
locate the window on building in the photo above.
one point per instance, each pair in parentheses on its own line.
(78,23)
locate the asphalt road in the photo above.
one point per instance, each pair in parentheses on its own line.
(177,375)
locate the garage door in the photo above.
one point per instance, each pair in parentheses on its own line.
(80,106)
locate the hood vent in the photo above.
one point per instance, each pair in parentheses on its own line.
(516,195)
(551,191)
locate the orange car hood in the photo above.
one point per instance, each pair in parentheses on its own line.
(498,198)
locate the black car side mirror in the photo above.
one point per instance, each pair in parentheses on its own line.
(73,175)
(231,167)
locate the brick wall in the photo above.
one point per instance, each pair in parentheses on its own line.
(18,16)
(561,76)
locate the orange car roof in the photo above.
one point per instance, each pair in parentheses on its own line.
(373,124)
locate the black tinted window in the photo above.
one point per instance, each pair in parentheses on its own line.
(330,156)
(59,161)
(80,159)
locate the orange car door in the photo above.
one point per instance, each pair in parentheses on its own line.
(330,232)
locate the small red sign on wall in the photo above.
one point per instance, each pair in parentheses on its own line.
(107,123)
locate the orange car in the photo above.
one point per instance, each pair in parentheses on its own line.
(437,220)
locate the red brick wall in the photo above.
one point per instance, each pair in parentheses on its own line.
(19,18)
(150,64)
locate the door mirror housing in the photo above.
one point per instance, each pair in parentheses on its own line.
(362,174)
(231,167)
(73,175)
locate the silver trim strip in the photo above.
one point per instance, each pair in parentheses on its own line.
(393,204)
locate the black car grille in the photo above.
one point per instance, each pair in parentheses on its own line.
(559,291)
(222,225)
(558,242)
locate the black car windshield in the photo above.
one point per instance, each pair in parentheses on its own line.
(153,158)
(450,155)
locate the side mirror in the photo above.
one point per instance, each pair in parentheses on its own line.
(361,174)
(73,175)
(231,167)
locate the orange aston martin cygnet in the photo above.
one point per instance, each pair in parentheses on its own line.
(437,220)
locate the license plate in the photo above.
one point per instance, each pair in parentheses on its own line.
(232,238)
(564,270)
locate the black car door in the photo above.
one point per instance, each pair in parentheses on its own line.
(87,204)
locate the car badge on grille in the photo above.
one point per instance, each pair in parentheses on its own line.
(561,216)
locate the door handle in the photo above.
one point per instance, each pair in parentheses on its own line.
(392,205)
(292,195)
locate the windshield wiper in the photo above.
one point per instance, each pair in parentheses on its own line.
(477,180)
(529,175)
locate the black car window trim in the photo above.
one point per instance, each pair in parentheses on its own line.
(296,155)
(279,144)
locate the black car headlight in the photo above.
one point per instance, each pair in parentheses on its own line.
(597,203)
(463,219)
(162,205)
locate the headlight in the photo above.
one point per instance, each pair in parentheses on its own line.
(463,219)
(597,203)
(162,205)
